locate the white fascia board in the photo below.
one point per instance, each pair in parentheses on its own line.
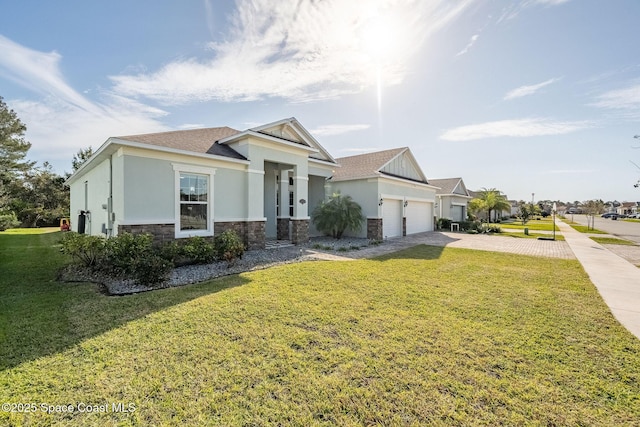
(367,177)
(228,140)
(455,195)
(310,138)
(408,182)
(269,125)
(324,163)
(112,144)
(101,153)
(125,143)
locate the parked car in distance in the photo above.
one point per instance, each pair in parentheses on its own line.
(609,215)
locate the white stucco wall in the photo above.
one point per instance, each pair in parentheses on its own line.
(445,203)
(149,192)
(91,196)
(367,193)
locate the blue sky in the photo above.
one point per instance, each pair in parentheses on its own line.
(529,96)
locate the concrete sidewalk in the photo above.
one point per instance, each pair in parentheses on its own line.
(616,279)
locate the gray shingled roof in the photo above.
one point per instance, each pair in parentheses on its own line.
(446,185)
(196,140)
(364,165)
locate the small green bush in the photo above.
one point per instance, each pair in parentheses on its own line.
(492,228)
(444,224)
(125,250)
(229,246)
(151,268)
(8,220)
(198,250)
(90,251)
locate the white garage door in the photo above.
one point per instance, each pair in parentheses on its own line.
(418,217)
(391,218)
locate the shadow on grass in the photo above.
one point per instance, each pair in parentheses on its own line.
(421,252)
(40,316)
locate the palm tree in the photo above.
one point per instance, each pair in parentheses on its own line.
(338,214)
(491,200)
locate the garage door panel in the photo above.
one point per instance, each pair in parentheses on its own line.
(391,218)
(419,217)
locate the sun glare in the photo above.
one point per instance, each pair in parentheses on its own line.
(377,38)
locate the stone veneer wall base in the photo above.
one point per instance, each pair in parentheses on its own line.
(161,233)
(374,228)
(299,231)
(251,232)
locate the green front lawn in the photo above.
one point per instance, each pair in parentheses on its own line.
(428,335)
(540,225)
(612,241)
(586,229)
(521,235)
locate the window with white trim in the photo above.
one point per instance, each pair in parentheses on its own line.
(194,202)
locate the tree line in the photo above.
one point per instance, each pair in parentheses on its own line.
(31,195)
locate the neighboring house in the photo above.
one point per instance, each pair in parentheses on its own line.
(451,199)
(495,215)
(391,188)
(262,182)
(628,208)
(515,208)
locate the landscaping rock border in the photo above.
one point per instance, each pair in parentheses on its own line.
(251,260)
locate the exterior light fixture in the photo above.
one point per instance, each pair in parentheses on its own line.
(406,203)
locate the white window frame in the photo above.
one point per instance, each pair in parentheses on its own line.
(193,170)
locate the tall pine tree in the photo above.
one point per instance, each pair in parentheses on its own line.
(13,148)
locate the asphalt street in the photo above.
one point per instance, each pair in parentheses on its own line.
(624,229)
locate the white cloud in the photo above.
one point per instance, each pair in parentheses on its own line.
(300,51)
(329,130)
(515,8)
(39,72)
(552,2)
(58,129)
(514,128)
(472,41)
(528,90)
(64,121)
(626,98)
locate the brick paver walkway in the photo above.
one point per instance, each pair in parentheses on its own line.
(534,247)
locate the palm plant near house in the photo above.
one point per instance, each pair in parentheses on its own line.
(337,215)
(490,200)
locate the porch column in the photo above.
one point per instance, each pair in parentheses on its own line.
(255,195)
(300,220)
(283,215)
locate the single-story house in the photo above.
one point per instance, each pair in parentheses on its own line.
(451,199)
(628,208)
(391,188)
(261,182)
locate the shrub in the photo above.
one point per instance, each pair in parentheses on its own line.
(89,250)
(444,224)
(337,215)
(8,220)
(151,268)
(125,250)
(470,225)
(491,228)
(229,246)
(198,250)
